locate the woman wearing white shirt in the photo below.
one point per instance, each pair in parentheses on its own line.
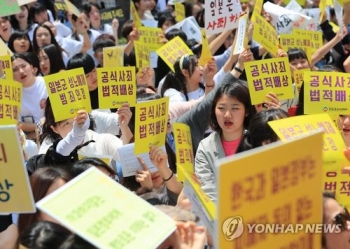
(105,144)
(33,93)
(92,10)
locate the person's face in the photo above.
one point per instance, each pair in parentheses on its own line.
(99,56)
(43,37)
(166,25)
(21,44)
(5,28)
(143,5)
(230,114)
(344,125)
(91,79)
(23,72)
(156,180)
(41,17)
(64,127)
(196,8)
(44,62)
(23,15)
(197,75)
(332,213)
(59,182)
(300,63)
(95,18)
(52,27)
(152,4)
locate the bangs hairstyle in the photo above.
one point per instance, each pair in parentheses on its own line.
(82,60)
(36,9)
(40,182)
(297,53)
(19,34)
(24,56)
(88,7)
(238,90)
(55,57)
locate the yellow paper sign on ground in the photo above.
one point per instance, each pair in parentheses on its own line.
(287,189)
(299,77)
(150,124)
(266,35)
(173,50)
(7,66)
(135,16)
(10,101)
(206,54)
(184,150)
(151,36)
(113,56)
(333,145)
(15,191)
(326,92)
(68,93)
(71,8)
(179,12)
(116,85)
(94,214)
(265,76)
(142,55)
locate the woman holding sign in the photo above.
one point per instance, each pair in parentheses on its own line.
(230,114)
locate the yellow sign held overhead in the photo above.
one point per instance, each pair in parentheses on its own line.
(206,54)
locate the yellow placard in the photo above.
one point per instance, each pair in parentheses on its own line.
(207,203)
(15,191)
(299,77)
(271,75)
(113,56)
(68,93)
(173,50)
(10,101)
(242,36)
(95,216)
(266,35)
(257,9)
(142,55)
(71,8)
(7,66)
(322,7)
(308,40)
(135,15)
(151,120)
(105,158)
(333,145)
(151,37)
(206,54)
(286,190)
(60,6)
(4,49)
(116,85)
(179,11)
(326,92)
(184,150)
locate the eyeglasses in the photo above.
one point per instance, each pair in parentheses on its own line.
(341,219)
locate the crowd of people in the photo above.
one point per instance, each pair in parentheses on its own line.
(213,100)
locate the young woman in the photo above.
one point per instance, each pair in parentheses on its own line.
(230,114)
(344,126)
(39,14)
(22,21)
(92,10)
(104,144)
(33,93)
(44,36)
(185,83)
(50,59)
(19,42)
(5,28)
(43,181)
